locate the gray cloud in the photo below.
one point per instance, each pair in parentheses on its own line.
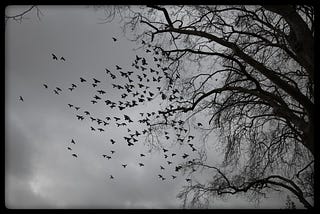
(40,171)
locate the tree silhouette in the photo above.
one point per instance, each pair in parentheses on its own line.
(247,73)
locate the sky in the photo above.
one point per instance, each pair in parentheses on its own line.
(40,172)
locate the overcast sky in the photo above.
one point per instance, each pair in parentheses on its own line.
(40,172)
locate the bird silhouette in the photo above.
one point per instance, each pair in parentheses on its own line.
(114,39)
(74,155)
(73,85)
(21,98)
(69,148)
(173,177)
(45,85)
(96,81)
(185,156)
(72,141)
(93,101)
(162,168)
(80,117)
(124,165)
(199,124)
(112,151)
(87,113)
(112,141)
(82,79)
(56,92)
(118,67)
(142,155)
(54,57)
(111,177)
(62,58)
(141,164)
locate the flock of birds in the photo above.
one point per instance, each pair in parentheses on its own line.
(141,84)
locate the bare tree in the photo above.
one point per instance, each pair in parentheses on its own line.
(248,72)
(22,15)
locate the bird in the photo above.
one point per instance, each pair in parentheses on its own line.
(114,39)
(164,150)
(74,155)
(185,156)
(93,129)
(124,165)
(80,117)
(112,151)
(87,113)
(93,101)
(142,155)
(169,162)
(77,108)
(45,85)
(62,58)
(173,177)
(111,177)
(118,67)
(69,148)
(54,57)
(101,91)
(97,97)
(70,105)
(73,85)
(199,124)
(82,79)
(112,141)
(141,164)
(56,92)
(96,81)
(21,98)
(72,141)
(188,179)
(161,167)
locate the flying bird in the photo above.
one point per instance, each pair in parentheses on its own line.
(141,164)
(54,57)
(96,81)
(114,39)
(69,148)
(161,167)
(45,85)
(142,155)
(20,98)
(74,155)
(124,165)
(111,177)
(82,80)
(72,141)
(112,141)
(62,58)
(112,151)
